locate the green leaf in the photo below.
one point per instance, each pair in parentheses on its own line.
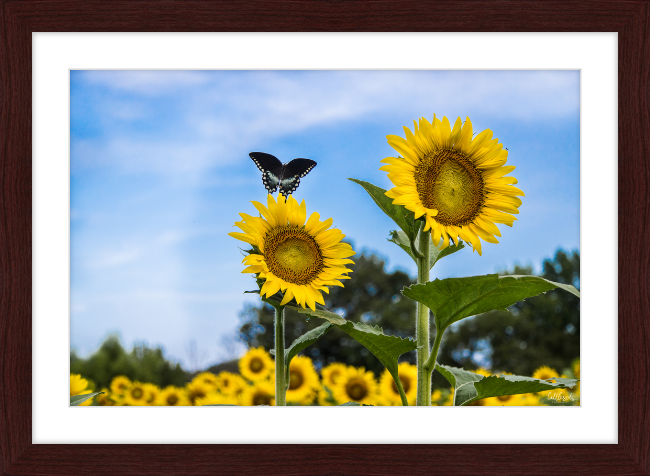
(77,400)
(354,404)
(301,343)
(454,299)
(400,215)
(386,348)
(401,239)
(469,387)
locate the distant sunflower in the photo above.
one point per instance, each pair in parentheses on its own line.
(501,400)
(332,373)
(197,389)
(256,364)
(172,397)
(207,378)
(230,384)
(436,398)
(408,375)
(482,371)
(576,368)
(79,386)
(303,381)
(119,385)
(456,183)
(260,393)
(356,385)
(105,399)
(300,259)
(151,393)
(545,373)
(325,397)
(136,395)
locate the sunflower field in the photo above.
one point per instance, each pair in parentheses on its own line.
(336,384)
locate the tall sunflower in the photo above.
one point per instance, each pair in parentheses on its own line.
(303,381)
(456,182)
(299,258)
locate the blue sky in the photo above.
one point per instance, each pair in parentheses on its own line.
(160,171)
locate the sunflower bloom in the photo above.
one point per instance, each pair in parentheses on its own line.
(356,385)
(230,384)
(79,386)
(408,375)
(119,385)
(294,255)
(172,397)
(456,183)
(136,395)
(303,381)
(260,393)
(332,373)
(196,390)
(151,393)
(256,365)
(207,378)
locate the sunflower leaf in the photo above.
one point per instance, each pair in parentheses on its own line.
(470,387)
(453,299)
(400,215)
(402,240)
(77,400)
(354,404)
(301,343)
(386,348)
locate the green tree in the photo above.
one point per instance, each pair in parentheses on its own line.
(544,330)
(371,296)
(142,363)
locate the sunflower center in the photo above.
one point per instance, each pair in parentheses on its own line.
(356,389)
(449,182)
(406,384)
(295,380)
(292,254)
(504,398)
(172,399)
(256,365)
(262,399)
(137,393)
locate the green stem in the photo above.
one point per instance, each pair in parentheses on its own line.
(422,324)
(402,394)
(280,380)
(430,364)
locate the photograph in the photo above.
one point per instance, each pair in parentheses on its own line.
(325,238)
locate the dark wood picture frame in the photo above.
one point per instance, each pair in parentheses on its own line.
(19,18)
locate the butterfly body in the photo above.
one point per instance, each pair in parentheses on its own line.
(276,175)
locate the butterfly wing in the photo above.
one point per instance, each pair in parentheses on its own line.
(271,169)
(291,174)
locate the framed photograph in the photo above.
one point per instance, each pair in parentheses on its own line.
(43,59)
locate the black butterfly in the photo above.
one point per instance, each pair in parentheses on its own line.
(275,173)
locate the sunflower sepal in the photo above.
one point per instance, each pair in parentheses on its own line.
(435,253)
(470,387)
(402,217)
